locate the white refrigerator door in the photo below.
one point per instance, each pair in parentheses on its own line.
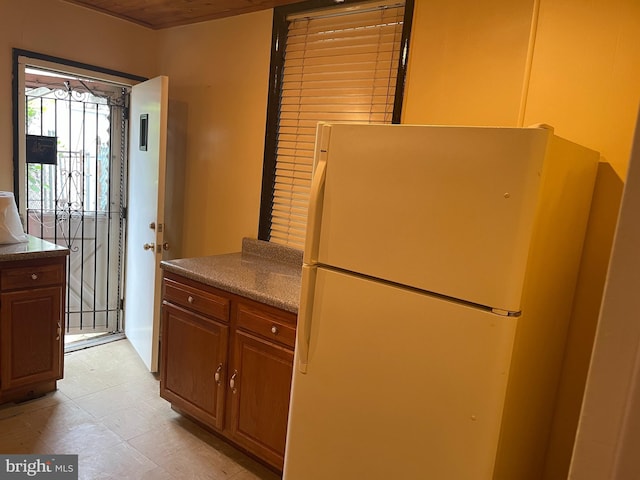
(399,384)
(444,209)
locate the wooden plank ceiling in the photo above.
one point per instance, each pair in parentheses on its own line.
(158,14)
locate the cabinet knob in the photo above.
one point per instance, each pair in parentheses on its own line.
(190,299)
(34,276)
(232,382)
(274,329)
(58,331)
(216,376)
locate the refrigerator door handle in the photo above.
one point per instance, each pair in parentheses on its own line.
(316,196)
(303,337)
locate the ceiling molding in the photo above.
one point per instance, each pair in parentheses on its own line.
(159,14)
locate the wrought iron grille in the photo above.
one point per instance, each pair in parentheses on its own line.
(74,201)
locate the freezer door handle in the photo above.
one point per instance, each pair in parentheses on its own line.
(305,312)
(316,196)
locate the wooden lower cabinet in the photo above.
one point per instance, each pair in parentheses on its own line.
(227,362)
(31,327)
(259,398)
(194,347)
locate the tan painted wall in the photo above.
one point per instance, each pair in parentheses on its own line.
(467,62)
(60,29)
(468,65)
(219,73)
(585,77)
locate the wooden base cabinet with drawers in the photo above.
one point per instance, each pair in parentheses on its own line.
(227,362)
(31,327)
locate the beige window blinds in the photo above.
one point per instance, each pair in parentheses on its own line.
(339,65)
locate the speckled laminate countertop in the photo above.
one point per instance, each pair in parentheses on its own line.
(34,248)
(262,271)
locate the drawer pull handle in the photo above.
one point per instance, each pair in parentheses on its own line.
(216,376)
(274,329)
(232,382)
(34,276)
(190,299)
(58,332)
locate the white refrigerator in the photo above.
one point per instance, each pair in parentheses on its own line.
(439,270)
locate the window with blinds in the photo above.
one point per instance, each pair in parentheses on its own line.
(338,64)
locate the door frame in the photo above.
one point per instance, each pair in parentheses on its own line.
(24,58)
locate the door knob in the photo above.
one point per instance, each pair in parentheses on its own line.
(165,246)
(148,246)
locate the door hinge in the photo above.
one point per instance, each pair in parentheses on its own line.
(123,212)
(122,304)
(125,113)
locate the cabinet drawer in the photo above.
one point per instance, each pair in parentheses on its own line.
(195,299)
(31,277)
(268,325)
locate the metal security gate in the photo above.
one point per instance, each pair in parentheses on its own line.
(75,178)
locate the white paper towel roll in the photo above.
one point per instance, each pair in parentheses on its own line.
(11,230)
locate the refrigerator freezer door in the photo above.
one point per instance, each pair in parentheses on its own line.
(444,209)
(399,384)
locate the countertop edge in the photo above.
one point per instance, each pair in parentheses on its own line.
(34,248)
(228,285)
(267,273)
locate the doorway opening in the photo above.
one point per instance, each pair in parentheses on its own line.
(71,184)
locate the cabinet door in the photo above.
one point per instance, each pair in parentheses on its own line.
(193,368)
(260,382)
(31,336)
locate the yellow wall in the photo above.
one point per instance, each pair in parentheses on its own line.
(467,62)
(60,29)
(468,65)
(219,72)
(585,77)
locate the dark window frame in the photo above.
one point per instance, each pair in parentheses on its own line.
(278,41)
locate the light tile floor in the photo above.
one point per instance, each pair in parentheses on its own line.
(108,411)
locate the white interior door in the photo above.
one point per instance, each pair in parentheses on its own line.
(145,217)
